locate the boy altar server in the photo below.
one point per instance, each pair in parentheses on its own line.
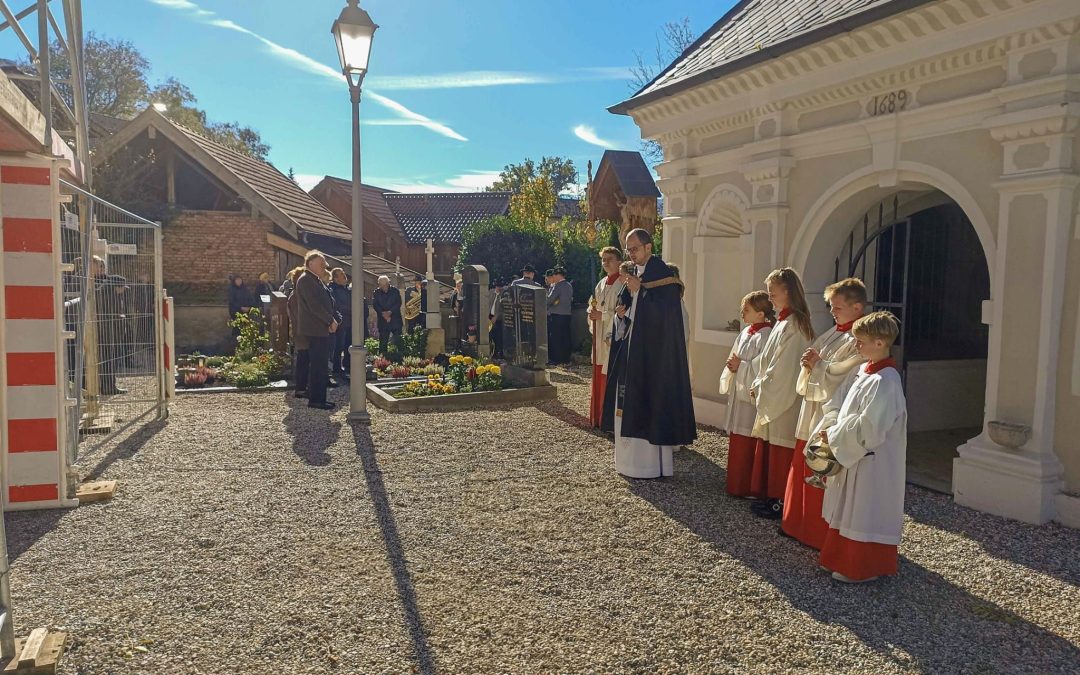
(773,390)
(865,424)
(738,375)
(825,366)
(602,306)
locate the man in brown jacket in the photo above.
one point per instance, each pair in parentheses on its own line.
(316,322)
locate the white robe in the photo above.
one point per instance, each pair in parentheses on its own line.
(838,358)
(636,457)
(607,298)
(777,370)
(867,414)
(740,407)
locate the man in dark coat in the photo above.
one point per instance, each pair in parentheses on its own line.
(110,304)
(342,294)
(316,321)
(386,301)
(650,409)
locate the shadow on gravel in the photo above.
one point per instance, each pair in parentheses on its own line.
(1049,549)
(565,377)
(126,448)
(422,654)
(312,430)
(561,412)
(25,528)
(939,626)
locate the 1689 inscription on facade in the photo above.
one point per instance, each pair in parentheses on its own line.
(889,103)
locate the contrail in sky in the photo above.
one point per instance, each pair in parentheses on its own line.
(305,62)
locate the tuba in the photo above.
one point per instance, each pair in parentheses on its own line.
(412,306)
(821,462)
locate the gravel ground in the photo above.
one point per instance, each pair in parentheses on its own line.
(251,535)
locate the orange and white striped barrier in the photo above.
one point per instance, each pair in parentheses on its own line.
(32,392)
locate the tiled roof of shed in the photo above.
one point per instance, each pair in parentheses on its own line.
(372,199)
(275,187)
(755,30)
(443,216)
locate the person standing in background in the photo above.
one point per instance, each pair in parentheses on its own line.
(559,303)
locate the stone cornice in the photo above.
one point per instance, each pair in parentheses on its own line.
(1044,121)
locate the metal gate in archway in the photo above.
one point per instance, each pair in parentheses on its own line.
(878,252)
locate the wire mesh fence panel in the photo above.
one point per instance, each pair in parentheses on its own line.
(112,315)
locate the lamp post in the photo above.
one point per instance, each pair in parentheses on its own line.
(353,32)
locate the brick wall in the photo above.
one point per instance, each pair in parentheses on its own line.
(200,249)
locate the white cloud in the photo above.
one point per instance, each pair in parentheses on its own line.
(472,181)
(307,180)
(588,134)
(305,62)
(494,78)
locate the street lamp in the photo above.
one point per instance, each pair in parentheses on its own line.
(353,32)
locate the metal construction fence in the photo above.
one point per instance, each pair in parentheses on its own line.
(113,301)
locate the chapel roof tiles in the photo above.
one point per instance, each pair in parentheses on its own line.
(756,30)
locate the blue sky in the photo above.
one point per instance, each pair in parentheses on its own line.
(455,90)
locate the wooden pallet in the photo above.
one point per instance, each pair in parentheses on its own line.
(38,654)
(102,424)
(97,491)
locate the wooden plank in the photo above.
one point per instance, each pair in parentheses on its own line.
(97,491)
(31,649)
(48,655)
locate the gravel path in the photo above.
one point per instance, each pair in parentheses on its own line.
(251,535)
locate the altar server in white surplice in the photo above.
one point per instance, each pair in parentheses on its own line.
(865,424)
(738,376)
(824,367)
(777,371)
(601,320)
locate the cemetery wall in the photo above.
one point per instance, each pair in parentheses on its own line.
(200,249)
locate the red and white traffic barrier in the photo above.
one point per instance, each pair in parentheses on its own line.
(32,392)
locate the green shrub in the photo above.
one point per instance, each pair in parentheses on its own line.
(504,247)
(253,339)
(414,344)
(246,375)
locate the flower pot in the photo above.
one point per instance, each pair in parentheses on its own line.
(1008,435)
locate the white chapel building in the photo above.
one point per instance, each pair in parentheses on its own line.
(929,147)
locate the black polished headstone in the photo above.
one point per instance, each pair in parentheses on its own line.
(474,311)
(525,326)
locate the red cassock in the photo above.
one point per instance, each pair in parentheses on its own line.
(858,559)
(802,503)
(596,402)
(740,467)
(771,466)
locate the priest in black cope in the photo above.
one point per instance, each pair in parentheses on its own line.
(650,408)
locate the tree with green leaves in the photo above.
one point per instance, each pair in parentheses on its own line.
(560,172)
(534,203)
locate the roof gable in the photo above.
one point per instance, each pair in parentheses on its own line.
(629,170)
(371,197)
(444,216)
(757,30)
(256,181)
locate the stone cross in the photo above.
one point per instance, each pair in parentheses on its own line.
(434,314)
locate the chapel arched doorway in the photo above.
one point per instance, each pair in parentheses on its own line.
(922,260)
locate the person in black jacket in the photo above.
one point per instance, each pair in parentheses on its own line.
(342,294)
(386,301)
(240,299)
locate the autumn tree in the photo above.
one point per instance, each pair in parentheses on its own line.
(117,85)
(560,173)
(534,203)
(674,38)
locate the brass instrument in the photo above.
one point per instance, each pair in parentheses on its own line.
(412,306)
(821,462)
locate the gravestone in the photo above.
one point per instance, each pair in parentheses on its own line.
(474,311)
(524,312)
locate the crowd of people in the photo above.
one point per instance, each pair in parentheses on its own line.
(838,394)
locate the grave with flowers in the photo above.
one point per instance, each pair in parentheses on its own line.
(468,381)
